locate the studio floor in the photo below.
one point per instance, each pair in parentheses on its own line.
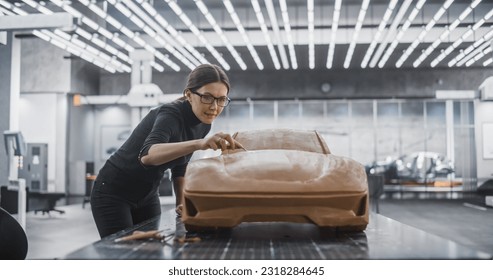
(466,221)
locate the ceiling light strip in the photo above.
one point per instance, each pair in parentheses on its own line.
(390,33)
(38,7)
(289,37)
(277,34)
(172,31)
(479,56)
(473,53)
(381,28)
(472,47)
(335,24)
(6,12)
(134,36)
(114,37)
(13,8)
(423,33)
(205,11)
(399,36)
(357,29)
(76,50)
(241,29)
(186,20)
(444,35)
(68,38)
(157,33)
(263,27)
(488,62)
(311,39)
(73,39)
(459,41)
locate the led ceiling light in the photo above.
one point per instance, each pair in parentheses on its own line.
(172,31)
(471,48)
(423,33)
(155,31)
(459,41)
(390,32)
(381,28)
(445,34)
(289,37)
(335,23)
(311,27)
(357,29)
(241,29)
(399,36)
(184,18)
(203,8)
(277,34)
(263,27)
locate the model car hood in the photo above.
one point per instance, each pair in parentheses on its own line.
(274,171)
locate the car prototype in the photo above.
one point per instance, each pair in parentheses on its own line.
(418,168)
(283,176)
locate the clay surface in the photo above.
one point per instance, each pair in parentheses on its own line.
(276,181)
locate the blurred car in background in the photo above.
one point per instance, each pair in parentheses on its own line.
(419,167)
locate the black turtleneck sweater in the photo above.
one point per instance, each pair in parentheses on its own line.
(124,173)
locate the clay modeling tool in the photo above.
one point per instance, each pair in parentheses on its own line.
(136,235)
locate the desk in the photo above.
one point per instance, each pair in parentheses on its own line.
(383,239)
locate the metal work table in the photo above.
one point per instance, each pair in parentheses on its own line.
(383,239)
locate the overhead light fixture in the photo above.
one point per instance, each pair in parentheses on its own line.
(399,36)
(443,36)
(459,41)
(63,40)
(138,16)
(390,32)
(381,28)
(488,62)
(335,23)
(277,34)
(174,34)
(184,18)
(422,35)
(471,48)
(203,8)
(357,29)
(479,56)
(311,27)
(122,28)
(289,37)
(241,29)
(263,27)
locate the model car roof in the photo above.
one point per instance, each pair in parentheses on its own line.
(284,139)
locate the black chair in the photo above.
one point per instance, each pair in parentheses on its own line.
(13,239)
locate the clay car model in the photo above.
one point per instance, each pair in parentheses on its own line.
(285,175)
(418,167)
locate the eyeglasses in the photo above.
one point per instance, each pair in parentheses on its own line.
(222,101)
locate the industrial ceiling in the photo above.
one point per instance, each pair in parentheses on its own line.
(257,35)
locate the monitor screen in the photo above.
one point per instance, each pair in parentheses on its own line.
(14,142)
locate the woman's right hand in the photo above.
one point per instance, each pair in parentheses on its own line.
(220,140)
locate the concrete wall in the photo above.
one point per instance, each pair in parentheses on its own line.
(374,83)
(44,82)
(5,63)
(43,67)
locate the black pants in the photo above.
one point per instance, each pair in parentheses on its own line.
(113,213)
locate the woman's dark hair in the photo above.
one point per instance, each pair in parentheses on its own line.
(205,74)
